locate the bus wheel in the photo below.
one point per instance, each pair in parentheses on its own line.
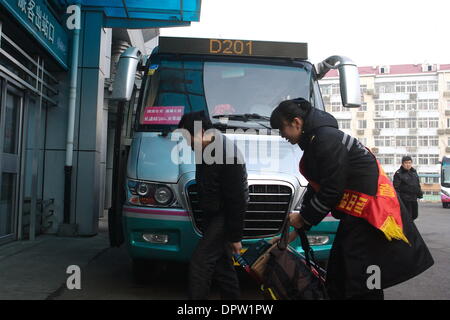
(444,205)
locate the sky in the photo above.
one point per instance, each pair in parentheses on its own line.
(369,32)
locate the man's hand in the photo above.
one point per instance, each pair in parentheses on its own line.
(295,220)
(236,247)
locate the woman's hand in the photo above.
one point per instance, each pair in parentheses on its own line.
(296,220)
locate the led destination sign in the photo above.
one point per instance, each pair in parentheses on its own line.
(228,47)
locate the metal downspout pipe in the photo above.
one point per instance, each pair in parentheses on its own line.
(70,133)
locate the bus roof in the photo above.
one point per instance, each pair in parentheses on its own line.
(230,47)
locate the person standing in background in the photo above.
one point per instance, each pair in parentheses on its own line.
(407,185)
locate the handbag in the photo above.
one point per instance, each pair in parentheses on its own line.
(287,275)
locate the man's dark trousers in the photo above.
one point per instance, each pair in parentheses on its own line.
(413,208)
(211,260)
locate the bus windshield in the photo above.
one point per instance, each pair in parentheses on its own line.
(220,89)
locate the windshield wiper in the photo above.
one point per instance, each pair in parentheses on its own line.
(245,117)
(242,117)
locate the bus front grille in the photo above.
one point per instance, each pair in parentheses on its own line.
(266,212)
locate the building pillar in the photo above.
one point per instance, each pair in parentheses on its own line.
(90,127)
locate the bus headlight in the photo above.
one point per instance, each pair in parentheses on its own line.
(445,192)
(163,195)
(142,189)
(151,194)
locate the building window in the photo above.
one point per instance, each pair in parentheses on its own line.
(336,107)
(434,141)
(385,105)
(363,141)
(400,86)
(411,105)
(428,159)
(400,141)
(362,124)
(423,141)
(363,89)
(386,159)
(429,123)
(401,123)
(344,124)
(400,105)
(335,89)
(433,86)
(411,86)
(325,89)
(428,141)
(428,104)
(384,141)
(422,123)
(363,107)
(384,124)
(429,179)
(422,86)
(427,86)
(433,123)
(385,87)
(448,122)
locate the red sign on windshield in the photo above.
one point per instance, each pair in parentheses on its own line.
(163,115)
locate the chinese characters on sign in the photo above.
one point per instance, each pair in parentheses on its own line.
(38,17)
(163,115)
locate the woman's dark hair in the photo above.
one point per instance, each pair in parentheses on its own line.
(288,110)
(187,121)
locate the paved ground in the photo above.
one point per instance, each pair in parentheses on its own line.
(37,270)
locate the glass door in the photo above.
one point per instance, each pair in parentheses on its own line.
(11,105)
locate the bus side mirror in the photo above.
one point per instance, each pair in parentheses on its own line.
(348,79)
(126,74)
(350,87)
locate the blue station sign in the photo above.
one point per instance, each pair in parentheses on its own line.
(36,17)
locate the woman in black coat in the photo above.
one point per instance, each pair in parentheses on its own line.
(333,163)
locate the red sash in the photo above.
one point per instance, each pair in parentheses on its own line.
(382,210)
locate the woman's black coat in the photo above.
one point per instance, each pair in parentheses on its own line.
(337,161)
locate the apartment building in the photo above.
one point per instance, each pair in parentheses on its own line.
(405,111)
